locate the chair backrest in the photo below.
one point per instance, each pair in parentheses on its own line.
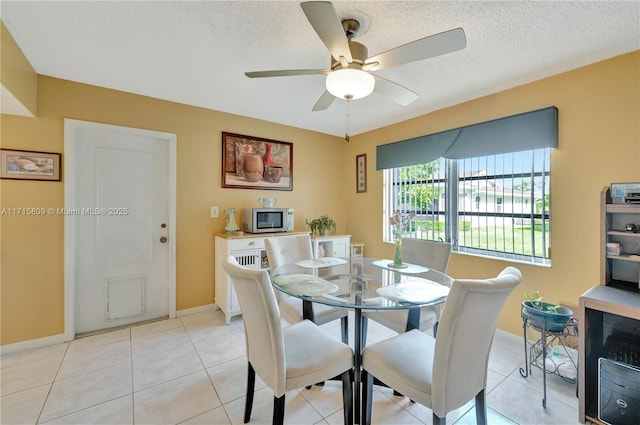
(262,325)
(465,334)
(432,254)
(287,249)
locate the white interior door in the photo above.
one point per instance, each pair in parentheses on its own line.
(121,215)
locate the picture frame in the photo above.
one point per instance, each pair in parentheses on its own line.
(30,165)
(361,173)
(250,162)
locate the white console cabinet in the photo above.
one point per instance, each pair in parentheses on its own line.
(248,249)
(331,246)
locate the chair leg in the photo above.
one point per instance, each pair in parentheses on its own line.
(278,410)
(345,329)
(439,421)
(367,397)
(347,397)
(251,383)
(481,408)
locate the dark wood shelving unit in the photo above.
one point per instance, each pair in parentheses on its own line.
(613,307)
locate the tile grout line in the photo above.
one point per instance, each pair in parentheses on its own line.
(512,376)
(52,383)
(133,394)
(91,406)
(203,366)
(208,376)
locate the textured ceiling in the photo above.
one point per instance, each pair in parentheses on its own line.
(196,52)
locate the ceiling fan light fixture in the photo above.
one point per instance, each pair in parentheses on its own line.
(352,83)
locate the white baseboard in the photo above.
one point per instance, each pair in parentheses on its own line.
(199,309)
(33,344)
(61,338)
(511,337)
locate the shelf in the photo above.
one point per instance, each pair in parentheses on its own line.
(624,285)
(624,267)
(625,257)
(612,306)
(357,249)
(622,233)
(623,208)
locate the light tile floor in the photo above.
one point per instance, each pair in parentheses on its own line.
(192,370)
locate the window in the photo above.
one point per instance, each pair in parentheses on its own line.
(496,205)
(482,187)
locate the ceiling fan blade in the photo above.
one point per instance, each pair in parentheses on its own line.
(424,48)
(324,20)
(286,73)
(394,91)
(324,102)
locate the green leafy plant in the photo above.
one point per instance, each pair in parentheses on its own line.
(543,315)
(322,225)
(535,300)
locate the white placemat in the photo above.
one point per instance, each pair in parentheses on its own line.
(319,263)
(414,292)
(305,284)
(410,268)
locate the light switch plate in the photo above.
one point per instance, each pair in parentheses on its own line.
(214,212)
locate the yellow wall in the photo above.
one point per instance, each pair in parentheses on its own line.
(599,143)
(16,73)
(32,247)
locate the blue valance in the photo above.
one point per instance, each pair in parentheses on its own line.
(525,131)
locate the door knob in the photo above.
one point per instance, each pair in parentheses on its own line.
(163,225)
(163,239)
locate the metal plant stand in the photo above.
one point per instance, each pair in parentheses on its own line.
(536,353)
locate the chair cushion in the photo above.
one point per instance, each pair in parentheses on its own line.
(404,363)
(313,355)
(397,319)
(291,311)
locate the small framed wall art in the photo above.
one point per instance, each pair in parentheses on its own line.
(255,163)
(361,173)
(30,165)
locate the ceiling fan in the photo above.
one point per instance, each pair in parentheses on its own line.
(350,74)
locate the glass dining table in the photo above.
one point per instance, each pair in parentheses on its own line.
(362,284)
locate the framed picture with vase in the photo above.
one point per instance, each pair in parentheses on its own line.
(250,162)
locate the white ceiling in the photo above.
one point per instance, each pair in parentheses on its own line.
(196,52)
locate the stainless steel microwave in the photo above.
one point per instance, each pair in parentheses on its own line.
(266,220)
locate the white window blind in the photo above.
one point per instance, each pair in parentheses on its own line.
(496,205)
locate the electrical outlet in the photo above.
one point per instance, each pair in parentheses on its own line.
(214,212)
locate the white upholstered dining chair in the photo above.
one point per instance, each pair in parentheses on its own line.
(444,373)
(285,358)
(288,249)
(431,254)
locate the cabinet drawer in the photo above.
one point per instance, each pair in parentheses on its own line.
(246,243)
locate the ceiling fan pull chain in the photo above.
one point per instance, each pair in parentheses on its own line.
(346,133)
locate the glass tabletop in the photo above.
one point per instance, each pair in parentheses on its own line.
(364,283)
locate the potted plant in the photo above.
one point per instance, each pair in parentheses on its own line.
(322,226)
(545,315)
